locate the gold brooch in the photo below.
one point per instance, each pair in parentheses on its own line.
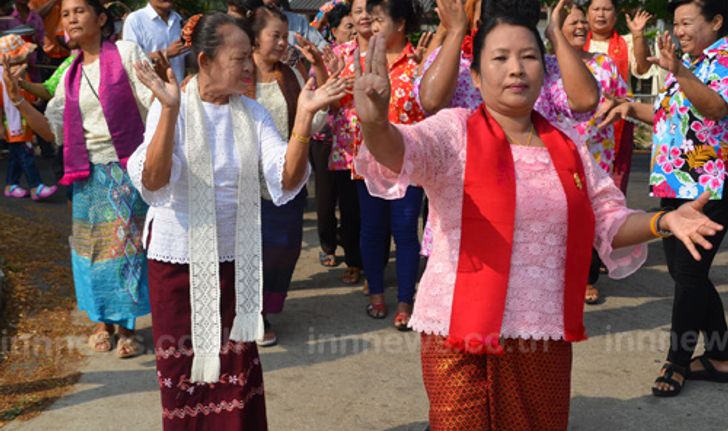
(577,181)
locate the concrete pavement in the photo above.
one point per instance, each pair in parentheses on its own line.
(337,369)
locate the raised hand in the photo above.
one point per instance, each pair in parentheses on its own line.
(335,64)
(168,93)
(691,226)
(372,89)
(669,58)
(452,15)
(309,51)
(557,18)
(175,49)
(422,45)
(312,101)
(10,79)
(638,22)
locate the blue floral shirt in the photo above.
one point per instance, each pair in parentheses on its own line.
(689,151)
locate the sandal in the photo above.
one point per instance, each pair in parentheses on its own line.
(377,311)
(130,346)
(667,377)
(401,321)
(327,260)
(352,275)
(708,373)
(592,295)
(269,337)
(100,341)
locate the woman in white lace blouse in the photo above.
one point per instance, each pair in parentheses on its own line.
(198,169)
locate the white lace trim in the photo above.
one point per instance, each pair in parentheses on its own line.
(203,241)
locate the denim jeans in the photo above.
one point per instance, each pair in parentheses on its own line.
(377,217)
(22,161)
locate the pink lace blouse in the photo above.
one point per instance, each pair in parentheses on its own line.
(435,152)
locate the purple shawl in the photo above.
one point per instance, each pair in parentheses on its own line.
(118,105)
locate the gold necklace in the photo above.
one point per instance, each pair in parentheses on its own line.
(528,142)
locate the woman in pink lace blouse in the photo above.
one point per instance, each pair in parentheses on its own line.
(501,300)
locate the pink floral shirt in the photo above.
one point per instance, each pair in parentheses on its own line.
(435,154)
(601,142)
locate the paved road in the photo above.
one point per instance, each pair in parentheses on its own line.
(336,369)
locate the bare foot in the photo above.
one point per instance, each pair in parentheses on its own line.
(720,366)
(666,387)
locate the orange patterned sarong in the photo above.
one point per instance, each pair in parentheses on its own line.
(526,388)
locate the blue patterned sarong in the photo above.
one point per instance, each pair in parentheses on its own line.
(109,263)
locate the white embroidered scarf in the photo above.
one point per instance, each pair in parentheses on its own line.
(204,258)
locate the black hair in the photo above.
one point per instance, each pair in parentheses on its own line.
(491,24)
(262,15)
(207,36)
(337,14)
(615,4)
(107,30)
(527,10)
(245,6)
(709,9)
(408,11)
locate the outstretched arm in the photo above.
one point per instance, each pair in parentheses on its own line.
(687,223)
(371,97)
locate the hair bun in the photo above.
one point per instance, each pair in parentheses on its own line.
(189,29)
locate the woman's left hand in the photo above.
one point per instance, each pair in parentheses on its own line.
(312,101)
(691,226)
(669,58)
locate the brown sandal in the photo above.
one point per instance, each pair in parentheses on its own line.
(352,275)
(129,346)
(100,341)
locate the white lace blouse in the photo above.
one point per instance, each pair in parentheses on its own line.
(168,215)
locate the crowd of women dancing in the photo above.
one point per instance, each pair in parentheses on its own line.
(188,195)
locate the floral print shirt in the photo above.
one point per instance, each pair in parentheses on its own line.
(601,141)
(689,151)
(403,106)
(344,123)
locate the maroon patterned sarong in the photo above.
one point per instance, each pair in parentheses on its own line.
(236,402)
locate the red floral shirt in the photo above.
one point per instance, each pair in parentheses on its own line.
(403,105)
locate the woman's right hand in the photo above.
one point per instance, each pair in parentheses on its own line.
(557,18)
(372,89)
(11,80)
(168,93)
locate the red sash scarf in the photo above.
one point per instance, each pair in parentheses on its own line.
(617,51)
(488,221)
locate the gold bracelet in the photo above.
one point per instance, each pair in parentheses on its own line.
(303,140)
(17,103)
